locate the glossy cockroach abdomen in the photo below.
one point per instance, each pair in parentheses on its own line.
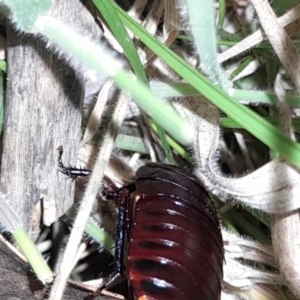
(175,246)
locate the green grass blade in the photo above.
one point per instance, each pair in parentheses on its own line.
(2,65)
(97,58)
(110,15)
(118,29)
(222,11)
(11,222)
(230,123)
(202,25)
(100,236)
(248,119)
(34,257)
(169,90)
(131,143)
(241,67)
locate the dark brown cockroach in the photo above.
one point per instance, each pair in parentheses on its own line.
(175,247)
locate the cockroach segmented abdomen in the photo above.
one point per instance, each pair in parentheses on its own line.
(175,245)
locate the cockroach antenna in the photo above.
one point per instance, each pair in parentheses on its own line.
(70,171)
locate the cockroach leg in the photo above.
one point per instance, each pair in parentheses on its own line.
(118,274)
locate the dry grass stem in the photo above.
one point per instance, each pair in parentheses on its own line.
(89,197)
(280,41)
(285,227)
(258,36)
(96,114)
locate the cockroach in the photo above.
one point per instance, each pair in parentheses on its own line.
(175,247)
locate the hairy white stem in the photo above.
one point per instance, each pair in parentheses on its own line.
(284,110)
(274,188)
(242,248)
(96,114)
(88,199)
(243,147)
(285,237)
(285,227)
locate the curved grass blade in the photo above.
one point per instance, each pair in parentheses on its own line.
(248,119)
